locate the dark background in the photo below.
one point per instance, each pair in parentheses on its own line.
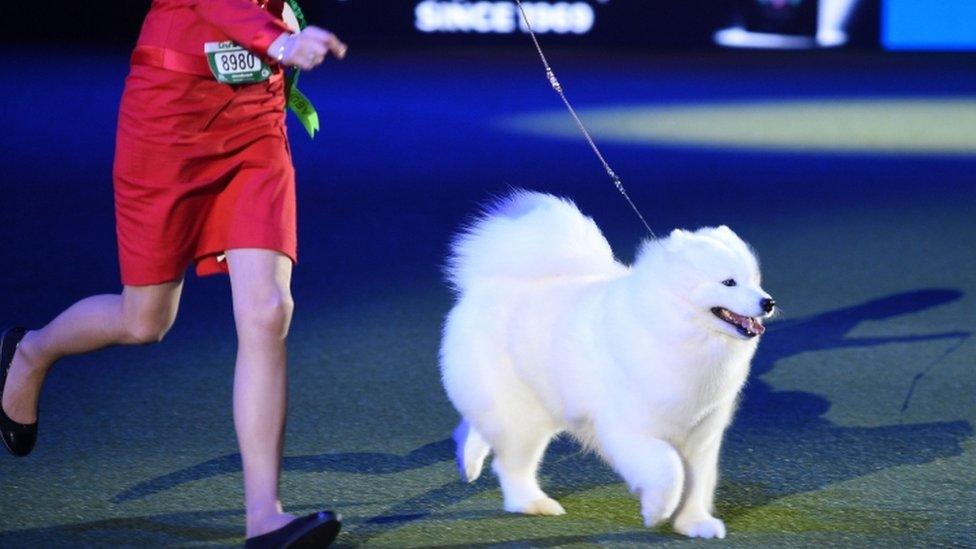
(383,25)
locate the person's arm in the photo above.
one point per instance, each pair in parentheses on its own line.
(306,49)
(267,36)
(243,21)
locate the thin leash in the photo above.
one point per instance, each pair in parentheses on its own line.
(614,178)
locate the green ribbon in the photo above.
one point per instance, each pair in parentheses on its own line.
(302,107)
(297,102)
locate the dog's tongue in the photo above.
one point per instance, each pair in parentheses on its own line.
(756,326)
(748,323)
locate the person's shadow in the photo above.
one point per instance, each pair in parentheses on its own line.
(779,443)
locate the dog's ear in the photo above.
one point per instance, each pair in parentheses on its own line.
(727,235)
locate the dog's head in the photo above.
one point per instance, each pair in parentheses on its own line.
(716,274)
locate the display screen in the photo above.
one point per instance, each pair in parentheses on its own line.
(648,23)
(432,16)
(929,24)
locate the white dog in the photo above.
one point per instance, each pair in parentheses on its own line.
(641,363)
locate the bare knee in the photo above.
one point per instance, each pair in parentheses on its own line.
(148,314)
(147,330)
(268,316)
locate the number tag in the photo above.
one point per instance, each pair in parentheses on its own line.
(232,64)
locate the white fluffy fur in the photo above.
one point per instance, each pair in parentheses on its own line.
(550,333)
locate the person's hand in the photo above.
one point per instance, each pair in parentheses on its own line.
(306,49)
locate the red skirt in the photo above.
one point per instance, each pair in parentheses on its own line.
(200,168)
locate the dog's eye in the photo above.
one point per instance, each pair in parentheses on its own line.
(729,282)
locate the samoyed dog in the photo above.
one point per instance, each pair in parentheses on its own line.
(641,363)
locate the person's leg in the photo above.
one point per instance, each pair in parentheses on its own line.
(260,281)
(140,314)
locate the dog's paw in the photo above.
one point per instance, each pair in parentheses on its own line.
(656,509)
(652,519)
(707,527)
(653,515)
(470,452)
(542,506)
(470,470)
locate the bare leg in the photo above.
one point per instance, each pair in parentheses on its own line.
(260,281)
(141,314)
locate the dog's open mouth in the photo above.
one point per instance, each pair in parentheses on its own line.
(746,325)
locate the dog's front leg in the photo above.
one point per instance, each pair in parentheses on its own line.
(701,452)
(651,467)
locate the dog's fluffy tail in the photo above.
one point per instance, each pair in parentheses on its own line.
(529,235)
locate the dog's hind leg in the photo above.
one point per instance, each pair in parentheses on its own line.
(518,452)
(471,451)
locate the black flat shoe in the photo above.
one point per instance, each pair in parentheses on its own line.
(17,437)
(315,530)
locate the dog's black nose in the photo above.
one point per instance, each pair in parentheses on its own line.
(767,304)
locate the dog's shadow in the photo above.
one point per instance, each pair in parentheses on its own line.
(779,443)
(780,440)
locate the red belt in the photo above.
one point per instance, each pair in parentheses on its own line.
(171,60)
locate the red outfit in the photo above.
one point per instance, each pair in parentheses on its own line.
(200,167)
